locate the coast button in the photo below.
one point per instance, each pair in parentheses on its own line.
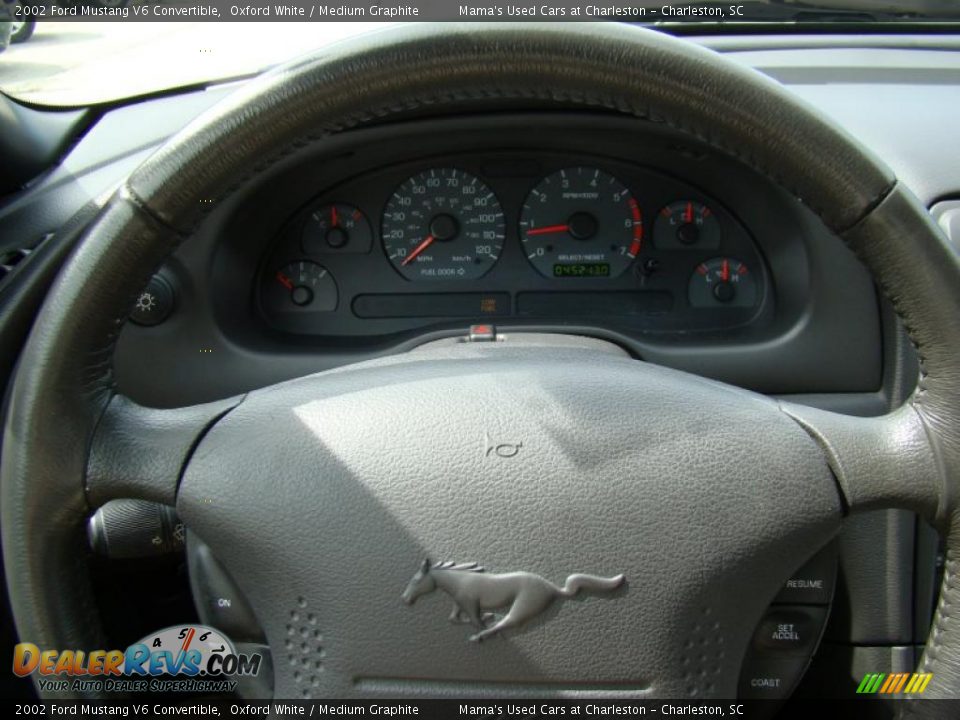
(765,678)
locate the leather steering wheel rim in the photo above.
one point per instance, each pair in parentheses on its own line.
(57,464)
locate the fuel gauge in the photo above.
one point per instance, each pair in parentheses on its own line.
(722,282)
(686,224)
(300,284)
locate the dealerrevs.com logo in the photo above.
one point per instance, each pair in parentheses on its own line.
(185,658)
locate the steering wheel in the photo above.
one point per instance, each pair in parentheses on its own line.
(324,494)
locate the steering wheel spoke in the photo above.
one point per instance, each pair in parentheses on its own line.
(139,452)
(878,462)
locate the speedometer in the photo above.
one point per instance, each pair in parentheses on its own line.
(581,222)
(443,224)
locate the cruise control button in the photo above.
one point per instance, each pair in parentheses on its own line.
(766,678)
(221,602)
(813,583)
(790,630)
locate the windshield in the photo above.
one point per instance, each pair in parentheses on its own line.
(74,63)
(82,52)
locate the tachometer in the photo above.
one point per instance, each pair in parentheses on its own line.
(581,222)
(443,224)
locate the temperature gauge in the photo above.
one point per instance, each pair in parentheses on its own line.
(301,284)
(723,282)
(686,224)
(336,227)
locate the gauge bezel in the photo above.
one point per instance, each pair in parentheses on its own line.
(354,245)
(741,271)
(662,241)
(407,257)
(510,173)
(270,299)
(560,227)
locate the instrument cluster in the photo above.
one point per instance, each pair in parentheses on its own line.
(516,238)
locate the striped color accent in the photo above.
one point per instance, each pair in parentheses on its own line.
(895,683)
(870,683)
(900,683)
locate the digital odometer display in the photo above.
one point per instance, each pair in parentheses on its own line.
(581,270)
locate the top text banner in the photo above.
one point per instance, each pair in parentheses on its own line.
(645,11)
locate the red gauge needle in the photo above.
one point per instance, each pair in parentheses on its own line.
(333,215)
(186,643)
(419,249)
(547,230)
(284,280)
(725,271)
(188,640)
(689,213)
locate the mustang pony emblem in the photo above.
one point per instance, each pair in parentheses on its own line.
(474,591)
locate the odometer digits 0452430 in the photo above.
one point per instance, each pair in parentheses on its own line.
(443,224)
(581,222)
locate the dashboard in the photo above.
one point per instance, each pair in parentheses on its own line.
(387,237)
(511,235)
(814,327)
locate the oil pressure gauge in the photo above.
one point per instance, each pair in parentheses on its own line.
(723,282)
